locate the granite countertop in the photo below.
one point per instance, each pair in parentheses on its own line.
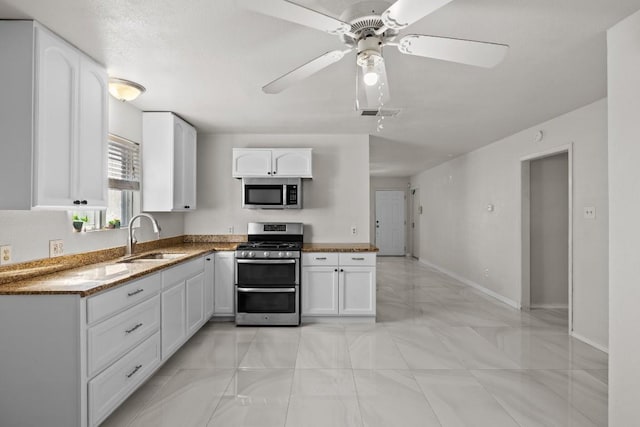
(97,277)
(339,247)
(101,270)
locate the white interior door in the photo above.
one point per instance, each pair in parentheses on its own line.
(390,222)
(414,224)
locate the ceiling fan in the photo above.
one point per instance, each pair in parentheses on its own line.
(367,31)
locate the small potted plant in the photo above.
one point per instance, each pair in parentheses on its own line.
(79,221)
(114,223)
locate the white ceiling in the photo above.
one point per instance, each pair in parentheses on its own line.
(208,59)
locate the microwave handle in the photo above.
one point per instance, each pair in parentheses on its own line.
(284,194)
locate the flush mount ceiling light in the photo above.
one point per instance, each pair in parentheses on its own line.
(125,90)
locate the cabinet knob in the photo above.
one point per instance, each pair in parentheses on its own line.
(341,270)
(84,202)
(335,269)
(274,172)
(268,173)
(208,259)
(76,202)
(187,207)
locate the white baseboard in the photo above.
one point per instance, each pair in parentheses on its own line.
(588,341)
(550,306)
(472,284)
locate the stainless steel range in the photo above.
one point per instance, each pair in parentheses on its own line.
(268,275)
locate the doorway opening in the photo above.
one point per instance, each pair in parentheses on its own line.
(390,222)
(546,214)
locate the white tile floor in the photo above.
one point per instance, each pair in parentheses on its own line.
(441,354)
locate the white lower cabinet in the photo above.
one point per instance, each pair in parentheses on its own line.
(182,304)
(209,284)
(224,293)
(338,284)
(174,329)
(195,303)
(98,349)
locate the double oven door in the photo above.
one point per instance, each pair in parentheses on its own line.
(267,291)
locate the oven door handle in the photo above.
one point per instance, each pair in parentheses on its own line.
(266,261)
(266,290)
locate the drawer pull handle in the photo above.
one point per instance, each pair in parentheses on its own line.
(134,328)
(136,292)
(136,369)
(324,258)
(357,258)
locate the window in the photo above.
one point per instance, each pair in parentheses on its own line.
(124,181)
(123,198)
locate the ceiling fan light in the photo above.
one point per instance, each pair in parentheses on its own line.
(125,90)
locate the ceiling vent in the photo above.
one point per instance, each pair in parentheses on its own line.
(380,113)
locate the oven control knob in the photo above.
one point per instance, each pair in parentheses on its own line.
(266,254)
(243,254)
(252,254)
(288,254)
(280,254)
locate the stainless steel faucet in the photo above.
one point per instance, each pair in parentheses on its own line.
(131,242)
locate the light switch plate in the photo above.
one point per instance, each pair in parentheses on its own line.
(5,254)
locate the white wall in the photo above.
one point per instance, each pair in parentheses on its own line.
(386,183)
(623,41)
(549,222)
(29,232)
(457,232)
(334,200)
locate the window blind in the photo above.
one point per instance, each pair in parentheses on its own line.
(123,164)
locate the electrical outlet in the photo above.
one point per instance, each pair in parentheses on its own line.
(354,230)
(230,229)
(589,212)
(486,272)
(56,248)
(5,254)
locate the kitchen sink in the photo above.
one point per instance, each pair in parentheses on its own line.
(155,257)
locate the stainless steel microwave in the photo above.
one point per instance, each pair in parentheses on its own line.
(272,193)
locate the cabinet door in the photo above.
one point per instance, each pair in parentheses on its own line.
(294,163)
(209,282)
(251,162)
(357,291)
(319,291)
(174,329)
(179,134)
(91,147)
(224,298)
(195,303)
(189,168)
(56,99)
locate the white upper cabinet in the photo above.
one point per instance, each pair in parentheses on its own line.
(168,163)
(272,162)
(56,132)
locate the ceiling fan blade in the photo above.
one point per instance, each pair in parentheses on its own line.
(372,97)
(304,71)
(289,11)
(480,54)
(403,13)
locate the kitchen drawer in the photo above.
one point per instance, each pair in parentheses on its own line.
(358,258)
(116,383)
(319,258)
(112,301)
(112,338)
(182,272)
